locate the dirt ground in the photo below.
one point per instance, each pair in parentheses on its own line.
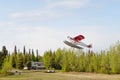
(61,76)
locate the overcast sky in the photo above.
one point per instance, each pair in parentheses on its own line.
(44,24)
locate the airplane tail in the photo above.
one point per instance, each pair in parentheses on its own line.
(89,46)
(69,37)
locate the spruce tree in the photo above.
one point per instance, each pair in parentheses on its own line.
(4,51)
(15,49)
(24,50)
(29,51)
(3,54)
(33,56)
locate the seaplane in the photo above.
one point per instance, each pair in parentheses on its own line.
(76,42)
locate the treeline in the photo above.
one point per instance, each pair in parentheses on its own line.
(17,59)
(69,60)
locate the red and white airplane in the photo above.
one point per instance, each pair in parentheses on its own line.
(76,41)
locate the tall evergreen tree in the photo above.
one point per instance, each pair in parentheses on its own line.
(29,51)
(33,56)
(24,50)
(4,51)
(3,54)
(15,49)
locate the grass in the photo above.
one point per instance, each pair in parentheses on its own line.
(60,76)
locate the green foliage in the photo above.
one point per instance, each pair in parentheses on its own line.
(81,62)
(115,63)
(3,54)
(6,67)
(66,60)
(27,59)
(47,58)
(65,64)
(20,61)
(58,59)
(104,62)
(33,56)
(13,59)
(40,58)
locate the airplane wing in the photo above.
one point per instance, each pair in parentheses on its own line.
(79,38)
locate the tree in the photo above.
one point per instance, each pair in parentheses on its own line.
(58,59)
(13,59)
(33,56)
(29,51)
(47,58)
(20,61)
(81,62)
(96,62)
(6,67)
(15,49)
(65,64)
(115,63)
(27,60)
(114,60)
(4,51)
(3,54)
(24,50)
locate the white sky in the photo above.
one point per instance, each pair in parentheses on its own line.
(45,24)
